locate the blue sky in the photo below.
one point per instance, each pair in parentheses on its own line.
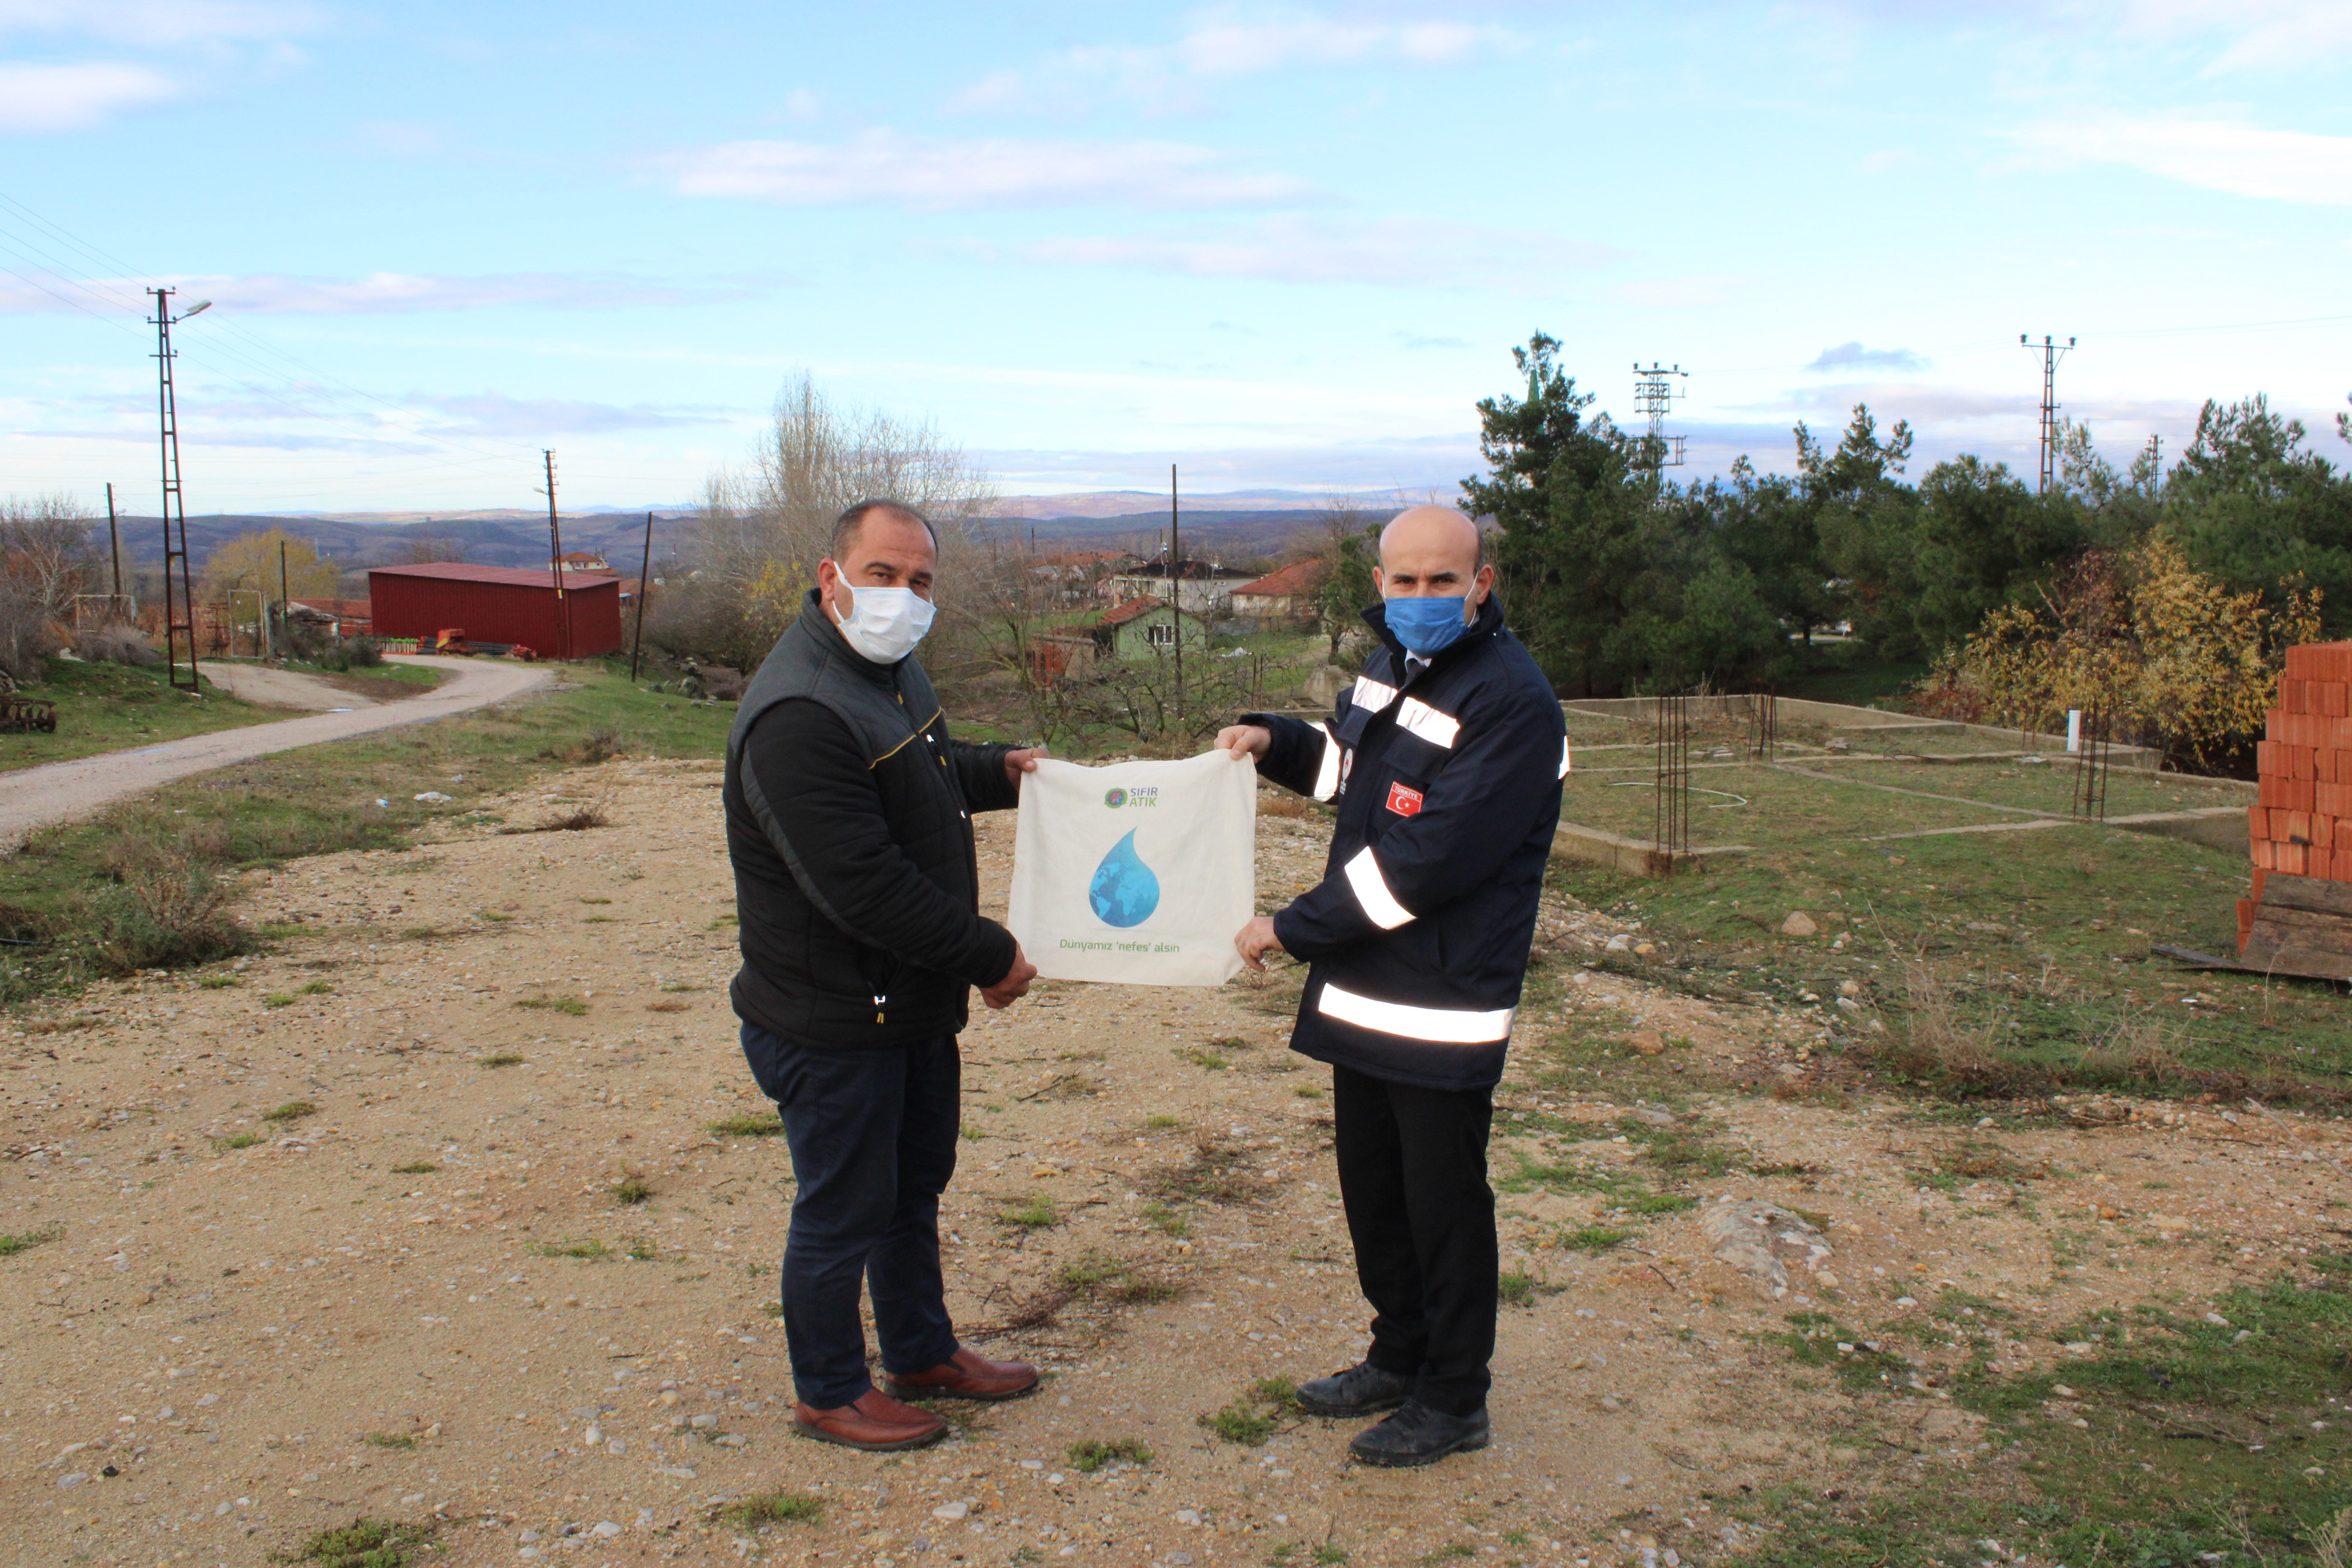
(1282,246)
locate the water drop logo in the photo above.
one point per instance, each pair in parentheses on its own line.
(1124,891)
(1115,798)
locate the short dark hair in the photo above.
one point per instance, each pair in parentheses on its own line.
(850,523)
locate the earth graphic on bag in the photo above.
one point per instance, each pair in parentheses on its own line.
(1124,890)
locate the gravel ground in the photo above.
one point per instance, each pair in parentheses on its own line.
(372,1307)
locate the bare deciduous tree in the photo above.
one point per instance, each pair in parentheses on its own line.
(46,557)
(752,548)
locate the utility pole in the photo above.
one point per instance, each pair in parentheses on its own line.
(644,586)
(2051,353)
(285,606)
(113,552)
(180,618)
(1654,395)
(1176,589)
(555,562)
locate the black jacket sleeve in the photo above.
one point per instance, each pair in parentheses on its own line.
(1302,757)
(824,817)
(980,770)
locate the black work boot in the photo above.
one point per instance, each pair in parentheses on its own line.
(1416,1434)
(1363,1390)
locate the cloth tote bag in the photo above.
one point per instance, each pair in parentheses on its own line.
(1137,873)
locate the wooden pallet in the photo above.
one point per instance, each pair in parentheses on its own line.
(2302,926)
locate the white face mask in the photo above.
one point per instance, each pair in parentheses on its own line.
(885,624)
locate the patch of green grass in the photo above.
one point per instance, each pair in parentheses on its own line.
(146,885)
(495,917)
(218,982)
(586,900)
(1519,1288)
(592,1251)
(770,1508)
(1818,1340)
(1215,1171)
(1328,1554)
(1160,1123)
(315,988)
(24,1240)
(642,1248)
(292,1111)
(415,1168)
(970,1131)
(390,1439)
(1660,1203)
(1306,1091)
(1166,1221)
(2022,962)
(2200,1444)
(678,986)
(1090,1455)
(277,999)
(632,1190)
(747,1124)
(1032,1214)
(1200,1056)
(237,1141)
(1452,1551)
(362,1543)
(1251,1417)
(572,1005)
(721,922)
(1113,1279)
(113,706)
(1592,1237)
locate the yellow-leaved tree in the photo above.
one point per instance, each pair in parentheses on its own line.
(250,560)
(2162,654)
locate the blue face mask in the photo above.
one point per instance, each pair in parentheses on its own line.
(1425,626)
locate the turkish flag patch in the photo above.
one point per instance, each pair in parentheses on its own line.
(1403,801)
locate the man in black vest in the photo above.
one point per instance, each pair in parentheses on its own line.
(1445,761)
(857,887)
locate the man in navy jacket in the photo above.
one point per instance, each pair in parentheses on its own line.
(1445,761)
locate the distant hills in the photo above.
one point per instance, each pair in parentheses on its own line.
(1243,524)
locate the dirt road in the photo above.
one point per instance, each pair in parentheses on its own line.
(341,1231)
(283,687)
(60,791)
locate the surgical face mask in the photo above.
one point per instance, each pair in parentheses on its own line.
(1425,626)
(885,624)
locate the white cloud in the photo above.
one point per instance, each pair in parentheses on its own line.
(157,23)
(1409,251)
(2212,151)
(2264,35)
(395,294)
(1221,46)
(883,166)
(1852,356)
(70,98)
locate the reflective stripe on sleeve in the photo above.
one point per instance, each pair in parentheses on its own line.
(1372,892)
(1441,1026)
(1371,695)
(1566,759)
(1327,771)
(1421,719)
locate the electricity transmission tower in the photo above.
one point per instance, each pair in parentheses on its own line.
(179,610)
(1654,395)
(2051,354)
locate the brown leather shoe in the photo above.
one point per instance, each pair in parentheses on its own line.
(873,1421)
(967,1375)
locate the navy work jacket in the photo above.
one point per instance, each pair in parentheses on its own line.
(1446,774)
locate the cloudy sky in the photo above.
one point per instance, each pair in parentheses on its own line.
(1281,245)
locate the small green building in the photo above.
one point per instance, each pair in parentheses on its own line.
(1147,628)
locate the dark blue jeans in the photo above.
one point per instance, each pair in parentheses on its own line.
(873,1134)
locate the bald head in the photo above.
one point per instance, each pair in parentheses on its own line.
(1432,552)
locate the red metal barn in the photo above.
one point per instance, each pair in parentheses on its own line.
(498,605)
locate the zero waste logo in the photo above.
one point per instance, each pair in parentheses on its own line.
(1115,798)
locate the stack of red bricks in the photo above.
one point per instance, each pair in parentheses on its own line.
(2303,825)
